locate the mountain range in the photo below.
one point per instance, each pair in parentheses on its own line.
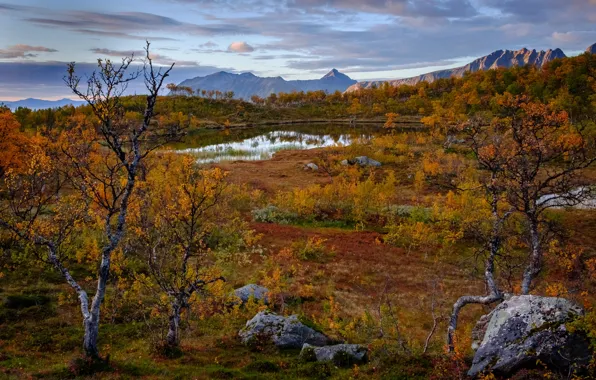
(246,85)
(37,104)
(499,58)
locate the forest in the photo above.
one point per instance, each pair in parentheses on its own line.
(122,257)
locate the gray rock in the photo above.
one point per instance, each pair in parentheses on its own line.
(451,139)
(311,166)
(583,198)
(259,293)
(345,163)
(284,332)
(366,161)
(527,328)
(345,354)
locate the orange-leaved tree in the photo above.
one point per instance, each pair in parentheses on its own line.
(532,157)
(13,143)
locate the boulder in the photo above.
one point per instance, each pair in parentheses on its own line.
(284,332)
(524,329)
(340,354)
(362,161)
(366,161)
(311,166)
(259,293)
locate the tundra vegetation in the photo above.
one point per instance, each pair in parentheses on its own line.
(119,256)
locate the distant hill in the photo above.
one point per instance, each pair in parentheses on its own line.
(37,104)
(591,49)
(499,58)
(247,84)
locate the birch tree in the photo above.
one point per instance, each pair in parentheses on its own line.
(98,169)
(534,157)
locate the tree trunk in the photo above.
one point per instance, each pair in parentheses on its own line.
(536,259)
(91,322)
(494,294)
(91,334)
(173,337)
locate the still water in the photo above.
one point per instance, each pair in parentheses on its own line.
(263,143)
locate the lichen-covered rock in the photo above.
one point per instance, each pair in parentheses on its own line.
(340,354)
(312,166)
(257,292)
(284,332)
(366,161)
(526,328)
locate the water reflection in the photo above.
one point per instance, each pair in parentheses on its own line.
(264,146)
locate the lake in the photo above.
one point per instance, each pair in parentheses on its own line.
(261,143)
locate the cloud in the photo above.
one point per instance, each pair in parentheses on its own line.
(23,51)
(125,25)
(158,59)
(404,8)
(240,47)
(209,45)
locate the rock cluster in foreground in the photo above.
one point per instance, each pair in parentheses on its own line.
(289,332)
(284,332)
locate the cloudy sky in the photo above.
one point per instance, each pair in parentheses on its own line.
(297,39)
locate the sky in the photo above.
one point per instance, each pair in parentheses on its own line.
(295,39)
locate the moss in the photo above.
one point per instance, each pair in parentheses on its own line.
(308,355)
(262,366)
(315,370)
(25,301)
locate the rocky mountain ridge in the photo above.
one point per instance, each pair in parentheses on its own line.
(247,84)
(497,59)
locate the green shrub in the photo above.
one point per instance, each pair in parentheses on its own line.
(273,214)
(415,213)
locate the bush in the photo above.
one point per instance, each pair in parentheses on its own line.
(415,213)
(273,214)
(313,249)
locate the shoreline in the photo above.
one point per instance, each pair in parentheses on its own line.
(213,125)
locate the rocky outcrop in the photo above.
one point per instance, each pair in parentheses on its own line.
(257,292)
(340,354)
(362,161)
(499,58)
(524,329)
(284,332)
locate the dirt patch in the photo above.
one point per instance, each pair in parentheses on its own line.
(283,172)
